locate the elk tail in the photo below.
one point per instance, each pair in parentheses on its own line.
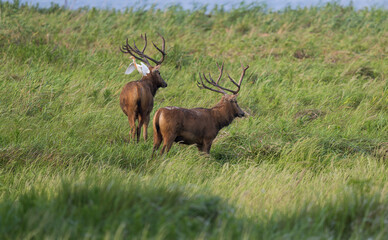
(157,134)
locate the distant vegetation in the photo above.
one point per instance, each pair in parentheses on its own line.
(309,162)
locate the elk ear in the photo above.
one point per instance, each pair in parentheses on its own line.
(156,68)
(231,98)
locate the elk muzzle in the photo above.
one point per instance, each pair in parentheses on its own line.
(241,114)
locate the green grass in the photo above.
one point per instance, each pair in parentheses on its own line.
(309,162)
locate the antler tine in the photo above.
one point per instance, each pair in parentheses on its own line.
(206,87)
(243,73)
(133,51)
(145,45)
(141,56)
(216,85)
(127,49)
(135,47)
(219,78)
(162,51)
(231,79)
(213,83)
(241,78)
(124,48)
(145,41)
(163,44)
(199,83)
(221,70)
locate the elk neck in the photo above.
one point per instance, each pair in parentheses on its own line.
(222,114)
(151,82)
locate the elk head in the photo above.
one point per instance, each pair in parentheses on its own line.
(141,56)
(229,101)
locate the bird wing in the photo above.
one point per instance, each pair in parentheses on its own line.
(144,69)
(130,68)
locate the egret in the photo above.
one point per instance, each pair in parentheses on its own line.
(142,68)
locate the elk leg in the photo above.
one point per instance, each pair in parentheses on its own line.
(167,144)
(199,146)
(162,151)
(154,149)
(145,127)
(138,129)
(157,143)
(206,147)
(132,125)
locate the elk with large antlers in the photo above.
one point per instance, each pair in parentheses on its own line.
(198,126)
(137,97)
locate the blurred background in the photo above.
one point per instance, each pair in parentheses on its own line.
(193,4)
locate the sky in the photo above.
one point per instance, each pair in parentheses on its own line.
(272,4)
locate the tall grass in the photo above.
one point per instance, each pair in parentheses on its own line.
(309,161)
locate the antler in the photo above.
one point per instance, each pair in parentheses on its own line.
(241,78)
(141,56)
(162,51)
(211,81)
(220,89)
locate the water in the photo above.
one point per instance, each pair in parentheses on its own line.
(271,4)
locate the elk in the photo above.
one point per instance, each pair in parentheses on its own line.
(137,97)
(198,126)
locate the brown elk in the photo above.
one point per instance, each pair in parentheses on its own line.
(198,126)
(137,97)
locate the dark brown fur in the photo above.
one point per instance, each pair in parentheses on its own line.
(198,126)
(137,101)
(137,98)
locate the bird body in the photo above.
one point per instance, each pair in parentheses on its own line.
(141,68)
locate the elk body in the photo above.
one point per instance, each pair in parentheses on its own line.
(137,97)
(198,126)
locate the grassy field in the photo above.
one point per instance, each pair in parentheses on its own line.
(310,162)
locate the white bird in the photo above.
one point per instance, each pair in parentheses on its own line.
(142,68)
